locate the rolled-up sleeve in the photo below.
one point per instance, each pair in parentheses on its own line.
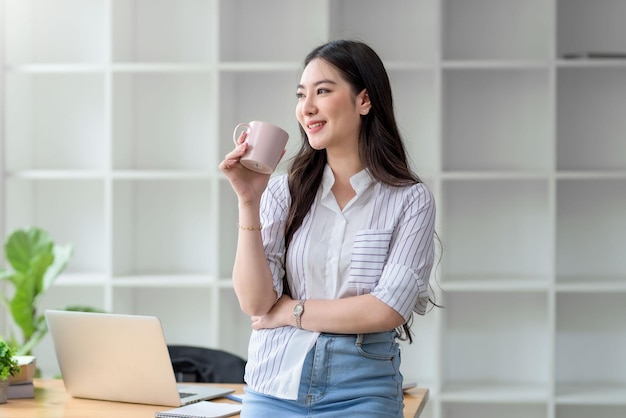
(403,284)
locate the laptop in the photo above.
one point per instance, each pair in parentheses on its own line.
(121,358)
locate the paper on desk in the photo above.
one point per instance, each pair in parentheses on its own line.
(203,409)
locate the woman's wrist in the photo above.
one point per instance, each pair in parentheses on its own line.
(249,218)
(249,206)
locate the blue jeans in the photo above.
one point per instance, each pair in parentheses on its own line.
(343,376)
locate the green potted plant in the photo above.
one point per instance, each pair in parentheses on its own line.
(36,262)
(8,368)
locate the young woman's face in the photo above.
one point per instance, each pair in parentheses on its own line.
(328,110)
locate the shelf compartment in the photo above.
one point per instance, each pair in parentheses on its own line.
(510,410)
(496,358)
(585,26)
(590,120)
(245,97)
(172,31)
(418,120)
(411,27)
(591,231)
(162,227)
(590,411)
(496,230)
(258,32)
(590,347)
(497,120)
(72,211)
(188,324)
(163,121)
(60,31)
(587,394)
(55,121)
(512,30)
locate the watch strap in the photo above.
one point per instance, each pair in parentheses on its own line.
(298,311)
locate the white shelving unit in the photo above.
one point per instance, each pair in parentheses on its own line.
(116,113)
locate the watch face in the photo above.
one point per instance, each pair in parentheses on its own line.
(298,309)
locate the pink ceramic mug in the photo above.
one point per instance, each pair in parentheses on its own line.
(266,143)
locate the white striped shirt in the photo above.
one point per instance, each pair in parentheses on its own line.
(381,243)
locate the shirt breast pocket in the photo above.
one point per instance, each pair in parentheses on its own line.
(369,255)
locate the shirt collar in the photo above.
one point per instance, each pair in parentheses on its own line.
(360,181)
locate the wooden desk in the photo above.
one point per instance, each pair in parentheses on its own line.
(51,401)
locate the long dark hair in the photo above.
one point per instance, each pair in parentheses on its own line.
(380,145)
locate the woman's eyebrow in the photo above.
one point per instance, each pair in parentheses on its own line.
(317,83)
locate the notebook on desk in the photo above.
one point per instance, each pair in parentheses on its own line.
(120,358)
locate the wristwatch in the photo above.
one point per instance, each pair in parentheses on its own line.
(298,310)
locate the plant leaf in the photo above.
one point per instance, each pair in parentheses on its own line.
(62,255)
(21,305)
(39,267)
(24,245)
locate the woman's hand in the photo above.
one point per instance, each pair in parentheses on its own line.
(247,184)
(280,315)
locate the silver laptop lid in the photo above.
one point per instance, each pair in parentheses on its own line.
(116,357)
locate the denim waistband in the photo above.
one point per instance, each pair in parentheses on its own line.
(368,337)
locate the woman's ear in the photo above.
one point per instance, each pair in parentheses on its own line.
(363,101)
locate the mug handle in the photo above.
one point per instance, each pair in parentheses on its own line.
(235,136)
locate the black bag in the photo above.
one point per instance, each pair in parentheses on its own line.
(205,365)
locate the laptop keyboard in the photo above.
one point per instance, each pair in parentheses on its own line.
(185,394)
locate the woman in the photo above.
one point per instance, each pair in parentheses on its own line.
(333,257)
